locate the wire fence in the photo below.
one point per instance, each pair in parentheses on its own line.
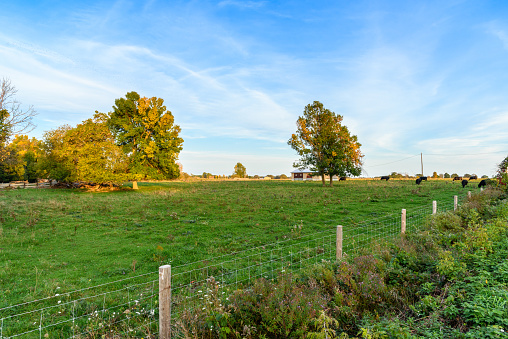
(130,307)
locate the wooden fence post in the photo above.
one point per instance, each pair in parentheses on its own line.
(339,242)
(165,302)
(455,202)
(403,221)
(469,194)
(434,207)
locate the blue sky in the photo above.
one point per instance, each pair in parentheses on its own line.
(408,77)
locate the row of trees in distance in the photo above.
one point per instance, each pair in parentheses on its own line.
(434,175)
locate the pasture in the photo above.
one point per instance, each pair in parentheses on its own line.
(54,240)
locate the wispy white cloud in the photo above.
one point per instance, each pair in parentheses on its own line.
(404,79)
(242,4)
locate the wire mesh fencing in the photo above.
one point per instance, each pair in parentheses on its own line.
(130,307)
(124,306)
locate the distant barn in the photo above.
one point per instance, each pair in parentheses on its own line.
(304,174)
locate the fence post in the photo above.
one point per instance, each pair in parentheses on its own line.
(469,194)
(434,207)
(165,302)
(339,242)
(403,221)
(481,189)
(455,202)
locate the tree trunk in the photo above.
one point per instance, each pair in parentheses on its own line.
(323,179)
(331,180)
(134,185)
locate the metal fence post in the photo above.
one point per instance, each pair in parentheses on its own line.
(165,302)
(434,207)
(403,221)
(455,202)
(339,242)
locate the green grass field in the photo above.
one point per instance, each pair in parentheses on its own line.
(60,239)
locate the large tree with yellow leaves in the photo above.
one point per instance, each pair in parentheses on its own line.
(324,144)
(86,153)
(145,129)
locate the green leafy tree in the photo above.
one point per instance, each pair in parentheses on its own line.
(454,175)
(447,175)
(145,129)
(503,166)
(22,161)
(502,170)
(84,153)
(240,171)
(324,144)
(53,164)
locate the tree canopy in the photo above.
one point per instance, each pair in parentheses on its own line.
(240,170)
(324,145)
(145,130)
(84,153)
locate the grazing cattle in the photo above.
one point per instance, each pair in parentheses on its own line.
(457,178)
(342,179)
(464,183)
(423,178)
(473,177)
(418,181)
(385,177)
(482,183)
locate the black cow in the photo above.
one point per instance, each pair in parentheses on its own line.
(457,178)
(418,181)
(464,183)
(482,183)
(342,179)
(385,177)
(423,178)
(473,177)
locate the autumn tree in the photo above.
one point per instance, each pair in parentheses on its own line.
(84,153)
(21,161)
(145,130)
(434,175)
(53,163)
(324,144)
(240,170)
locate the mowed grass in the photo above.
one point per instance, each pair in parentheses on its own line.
(58,240)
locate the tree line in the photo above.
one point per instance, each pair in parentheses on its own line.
(138,140)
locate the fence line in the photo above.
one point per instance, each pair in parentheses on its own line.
(24,185)
(131,306)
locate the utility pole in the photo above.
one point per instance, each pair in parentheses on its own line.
(421,159)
